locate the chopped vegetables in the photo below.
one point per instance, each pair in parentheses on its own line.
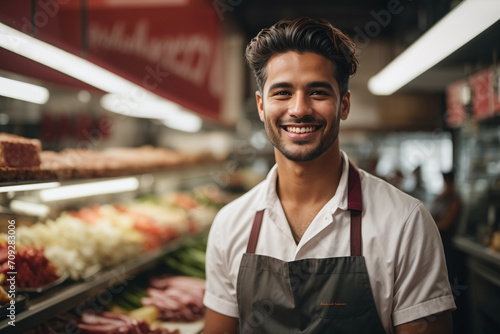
(76,246)
(80,243)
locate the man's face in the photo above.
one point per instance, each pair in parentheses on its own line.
(301,105)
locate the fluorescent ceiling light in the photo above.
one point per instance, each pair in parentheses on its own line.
(90,189)
(29,187)
(83,70)
(134,3)
(23,91)
(142,108)
(458,27)
(63,61)
(169,113)
(186,123)
(33,209)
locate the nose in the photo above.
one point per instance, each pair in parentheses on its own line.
(300,105)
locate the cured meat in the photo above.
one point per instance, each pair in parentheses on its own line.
(177,298)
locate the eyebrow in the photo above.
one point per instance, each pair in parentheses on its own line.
(320,84)
(280,85)
(314,84)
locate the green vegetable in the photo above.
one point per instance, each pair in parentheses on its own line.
(130,298)
(122,304)
(189,259)
(184,269)
(148,198)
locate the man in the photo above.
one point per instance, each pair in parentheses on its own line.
(320,247)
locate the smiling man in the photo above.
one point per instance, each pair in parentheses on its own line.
(320,246)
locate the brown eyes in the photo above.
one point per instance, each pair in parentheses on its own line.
(286,93)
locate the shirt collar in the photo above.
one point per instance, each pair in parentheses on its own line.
(339,200)
(342,188)
(268,193)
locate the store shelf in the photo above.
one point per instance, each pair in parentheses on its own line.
(198,170)
(81,295)
(477,251)
(157,182)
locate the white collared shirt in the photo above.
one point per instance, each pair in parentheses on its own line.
(400,243)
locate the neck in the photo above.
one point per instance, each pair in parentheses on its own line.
(311,181)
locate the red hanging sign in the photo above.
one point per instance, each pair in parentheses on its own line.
(455,110)
(482,94)
(172,48)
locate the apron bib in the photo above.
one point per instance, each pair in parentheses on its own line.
(328,295)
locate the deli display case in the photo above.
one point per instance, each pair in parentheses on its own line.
(478,236)
(166,209)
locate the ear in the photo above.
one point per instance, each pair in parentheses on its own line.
(346,106)
(260,105)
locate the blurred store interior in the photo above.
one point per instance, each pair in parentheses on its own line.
(171,74)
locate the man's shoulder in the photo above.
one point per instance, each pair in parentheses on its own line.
(249,201)
(232,223)
(391,214)
(381,193)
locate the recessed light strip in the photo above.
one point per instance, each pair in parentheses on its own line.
(33,209)
(169,113)
(23,91)
(29,187)
(90,189)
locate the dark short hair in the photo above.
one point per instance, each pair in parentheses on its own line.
(303,35)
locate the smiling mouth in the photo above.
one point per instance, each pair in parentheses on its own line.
(300,129)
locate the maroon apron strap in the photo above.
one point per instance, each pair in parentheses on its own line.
(355,205)
(254,235)
(356,234)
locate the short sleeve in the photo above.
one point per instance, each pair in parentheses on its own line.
(220,293)
(421,286)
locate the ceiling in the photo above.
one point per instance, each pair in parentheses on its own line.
(474,56)
(410,19)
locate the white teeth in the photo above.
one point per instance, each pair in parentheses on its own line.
(300,130)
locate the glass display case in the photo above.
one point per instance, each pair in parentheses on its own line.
(478,147)
(478,235)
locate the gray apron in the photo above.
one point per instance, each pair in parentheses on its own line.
(329,295)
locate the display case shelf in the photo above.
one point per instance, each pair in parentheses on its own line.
(71,295)
(474,249)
